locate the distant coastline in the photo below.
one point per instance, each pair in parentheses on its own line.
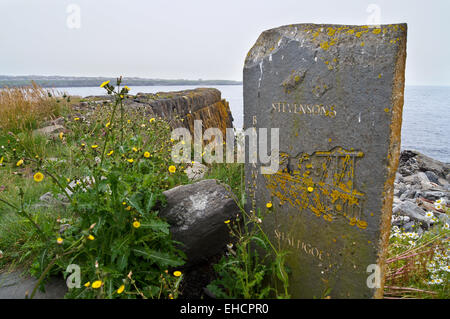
(73,81)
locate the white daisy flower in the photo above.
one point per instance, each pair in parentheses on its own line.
(446,268)
(429,215)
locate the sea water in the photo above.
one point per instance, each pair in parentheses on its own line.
(426,113)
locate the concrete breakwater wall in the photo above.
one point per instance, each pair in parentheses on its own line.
(181,108)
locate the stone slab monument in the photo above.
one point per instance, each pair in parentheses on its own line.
(336,94)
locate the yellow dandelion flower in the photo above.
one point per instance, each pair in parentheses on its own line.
(121,289)
(38,177)
(269,204)
(104,84)
(88,284)
(130,160)
(127,88)
(94,146)
(177,273)
(61,135)
(59,240)
(76,119)
(135,149)
(19,162)
(227,221)
(110,153)
(310,189)
(152,120)
(90,237)
(136,224)
(97,284)
(108,124)
(172,169)
(146,154)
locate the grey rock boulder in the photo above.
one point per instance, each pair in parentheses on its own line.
(432,177)
(58,121)
(197,213)
(16,286)
(399,220)
(196,171)
(50,130)
(414,212)
(433,195)
(48,200)
(399,189)
(408,194)
(398,177)
(412,162)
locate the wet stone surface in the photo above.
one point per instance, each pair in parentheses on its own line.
(336,94)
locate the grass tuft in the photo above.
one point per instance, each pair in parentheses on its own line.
(23,108)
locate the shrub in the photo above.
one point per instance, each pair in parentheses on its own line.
(114,233)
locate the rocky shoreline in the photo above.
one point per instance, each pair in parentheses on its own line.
(421,192)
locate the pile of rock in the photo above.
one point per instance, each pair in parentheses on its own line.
(422,185)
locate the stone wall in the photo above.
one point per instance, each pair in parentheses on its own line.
(181,108)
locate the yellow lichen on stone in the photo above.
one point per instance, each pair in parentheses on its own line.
(306,191)
(376,31)
(331,32)
(324,45)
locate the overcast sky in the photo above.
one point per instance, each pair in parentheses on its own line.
(194,39)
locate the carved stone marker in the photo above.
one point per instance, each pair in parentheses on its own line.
(336,94)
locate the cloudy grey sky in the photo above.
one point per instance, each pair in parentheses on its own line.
(194,39)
